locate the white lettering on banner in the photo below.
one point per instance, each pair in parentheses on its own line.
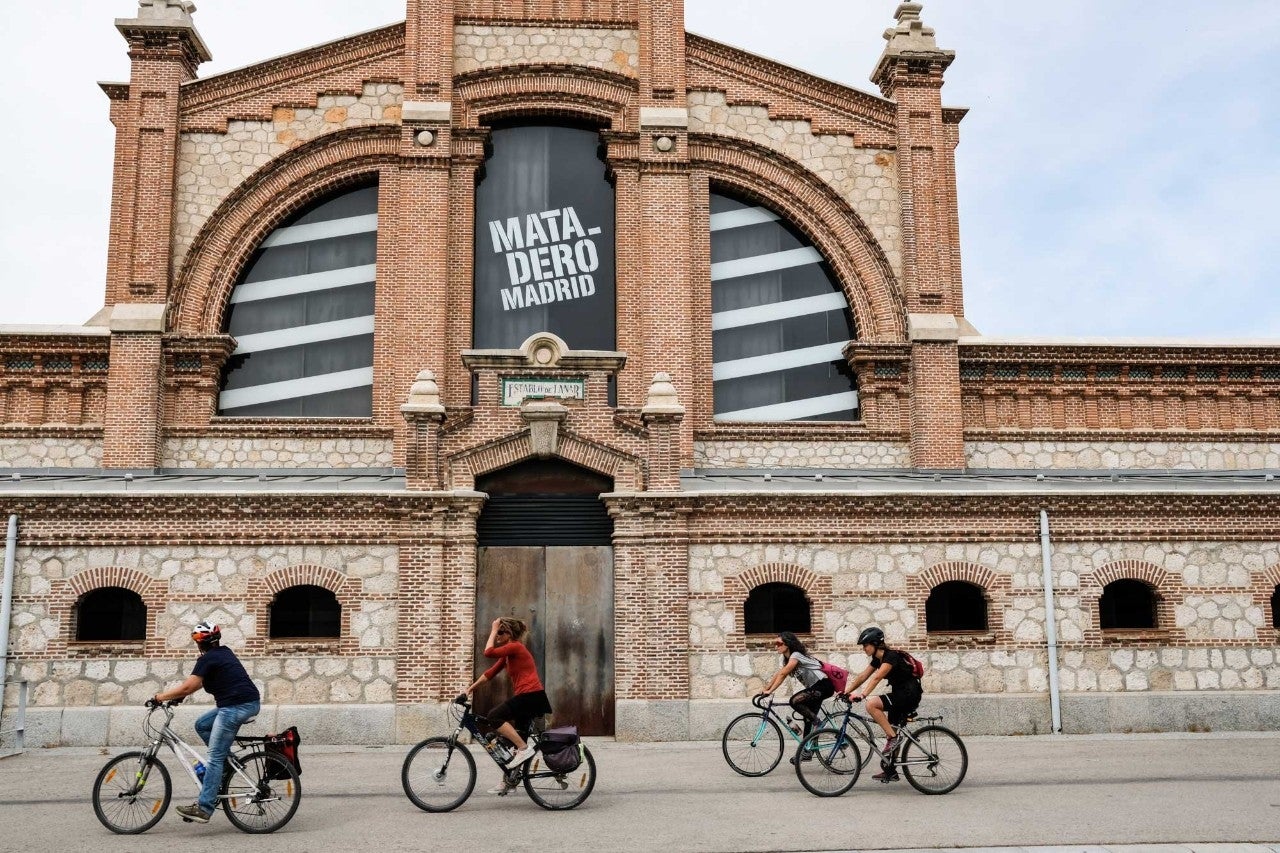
(516,390)
(550,257)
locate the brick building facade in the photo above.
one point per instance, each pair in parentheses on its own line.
(297,383)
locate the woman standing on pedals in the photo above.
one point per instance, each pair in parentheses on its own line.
(807,669)
(529,701)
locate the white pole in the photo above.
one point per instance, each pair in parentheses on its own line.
(1051,623)
(6,602)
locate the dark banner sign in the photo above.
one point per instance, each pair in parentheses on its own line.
(544,255)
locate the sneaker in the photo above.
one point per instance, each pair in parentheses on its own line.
(805,755)
(502,788)
(194,813)
(890,744)
(521,757)
(886,776)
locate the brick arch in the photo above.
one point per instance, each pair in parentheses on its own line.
(623,468)
(65,595)
(97,578)
(1148,573)
(1265,587)
(491,94)
(979,576)
(806,579)
(995,588)
(263,591)
(846,242)
(259,204)
(308,575)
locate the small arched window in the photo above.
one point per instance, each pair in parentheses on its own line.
(305,611)
(1275,607)
(111,614)
(1127,605)
(774,607)
(955,606)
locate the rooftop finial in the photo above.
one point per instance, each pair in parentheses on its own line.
(166,10)
(909,40)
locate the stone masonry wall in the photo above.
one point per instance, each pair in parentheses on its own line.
(209,452)
(866,178)
(1189,456)
(211,165)
(1213,629)
(615,50)
(50,453)
(801,454)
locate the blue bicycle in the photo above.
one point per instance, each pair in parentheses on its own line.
(753,742)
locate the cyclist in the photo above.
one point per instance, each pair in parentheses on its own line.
(221,674)
(890,709)
(807,669)
(529,700)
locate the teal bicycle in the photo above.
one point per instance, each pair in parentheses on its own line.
(753,743)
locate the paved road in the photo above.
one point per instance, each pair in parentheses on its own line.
(1078,791)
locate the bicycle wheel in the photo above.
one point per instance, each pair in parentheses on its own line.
(438,775)
(265,796)
(752,744)
(560,791)
(131,793)
(937,763)
(831,765)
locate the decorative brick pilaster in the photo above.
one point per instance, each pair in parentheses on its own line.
(937,417)
(425,416)
(662,62)
(428,49)
(134,412)
(662,414)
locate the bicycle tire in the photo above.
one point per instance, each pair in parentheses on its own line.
(560,791)
(270,801)
(834,765)
(937,764)
(752,744)
(429,762)
(149,808)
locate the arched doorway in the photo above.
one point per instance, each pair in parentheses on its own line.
(545,555)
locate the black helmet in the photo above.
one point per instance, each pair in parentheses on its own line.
(871,635)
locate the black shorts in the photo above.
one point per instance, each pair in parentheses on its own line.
(520,710)
(899,704)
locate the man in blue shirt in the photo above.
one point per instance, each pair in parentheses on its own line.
(221,674)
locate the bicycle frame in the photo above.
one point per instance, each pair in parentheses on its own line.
(186,754)
(905,734)
(769,713)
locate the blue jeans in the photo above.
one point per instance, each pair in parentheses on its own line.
(217,728)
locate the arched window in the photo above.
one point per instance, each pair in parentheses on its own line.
(956,606)
(779,320)
(304,611)
(111,614)
(1127,605)
(1275,607)
(302,316)
(773,607)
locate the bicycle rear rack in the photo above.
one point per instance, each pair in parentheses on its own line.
(19,729)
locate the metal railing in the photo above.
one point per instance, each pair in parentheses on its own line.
(19,730)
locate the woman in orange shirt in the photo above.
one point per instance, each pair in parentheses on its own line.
(530,700)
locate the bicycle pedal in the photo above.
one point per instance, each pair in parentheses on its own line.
(186,820)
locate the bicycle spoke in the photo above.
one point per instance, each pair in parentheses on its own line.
(752,744)
(828,763)
(934,760)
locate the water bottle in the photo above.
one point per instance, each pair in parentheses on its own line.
(199,768)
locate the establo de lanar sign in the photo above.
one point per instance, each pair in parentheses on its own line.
(544,249)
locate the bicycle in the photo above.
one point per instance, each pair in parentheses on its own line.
(439,773)
(932,757)
(260,790)
(753,744)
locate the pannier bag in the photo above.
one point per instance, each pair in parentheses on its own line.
(561,749)
(285,745)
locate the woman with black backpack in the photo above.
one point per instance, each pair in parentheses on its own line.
(890,709)
(808,671)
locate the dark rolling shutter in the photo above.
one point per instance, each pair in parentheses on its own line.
(542,519)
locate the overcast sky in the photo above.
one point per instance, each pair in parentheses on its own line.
(1118,169)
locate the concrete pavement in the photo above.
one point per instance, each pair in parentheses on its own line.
(1077,793)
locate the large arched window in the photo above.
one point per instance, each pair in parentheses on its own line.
(774,607)
(1127,605)
(779,320)
(111,614)
(302,316)
(955,606)
(304,611)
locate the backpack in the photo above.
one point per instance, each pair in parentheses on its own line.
(917,668)
(285,745)
(561,749)
(838,675)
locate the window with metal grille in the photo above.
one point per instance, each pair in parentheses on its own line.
(955,606)
(1127,605)
(302,316)
(304,611)
(779,322)
(774,607)
(110,614)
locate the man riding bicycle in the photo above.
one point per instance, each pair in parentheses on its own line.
(221,674)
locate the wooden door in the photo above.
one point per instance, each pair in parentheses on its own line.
(565,593)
